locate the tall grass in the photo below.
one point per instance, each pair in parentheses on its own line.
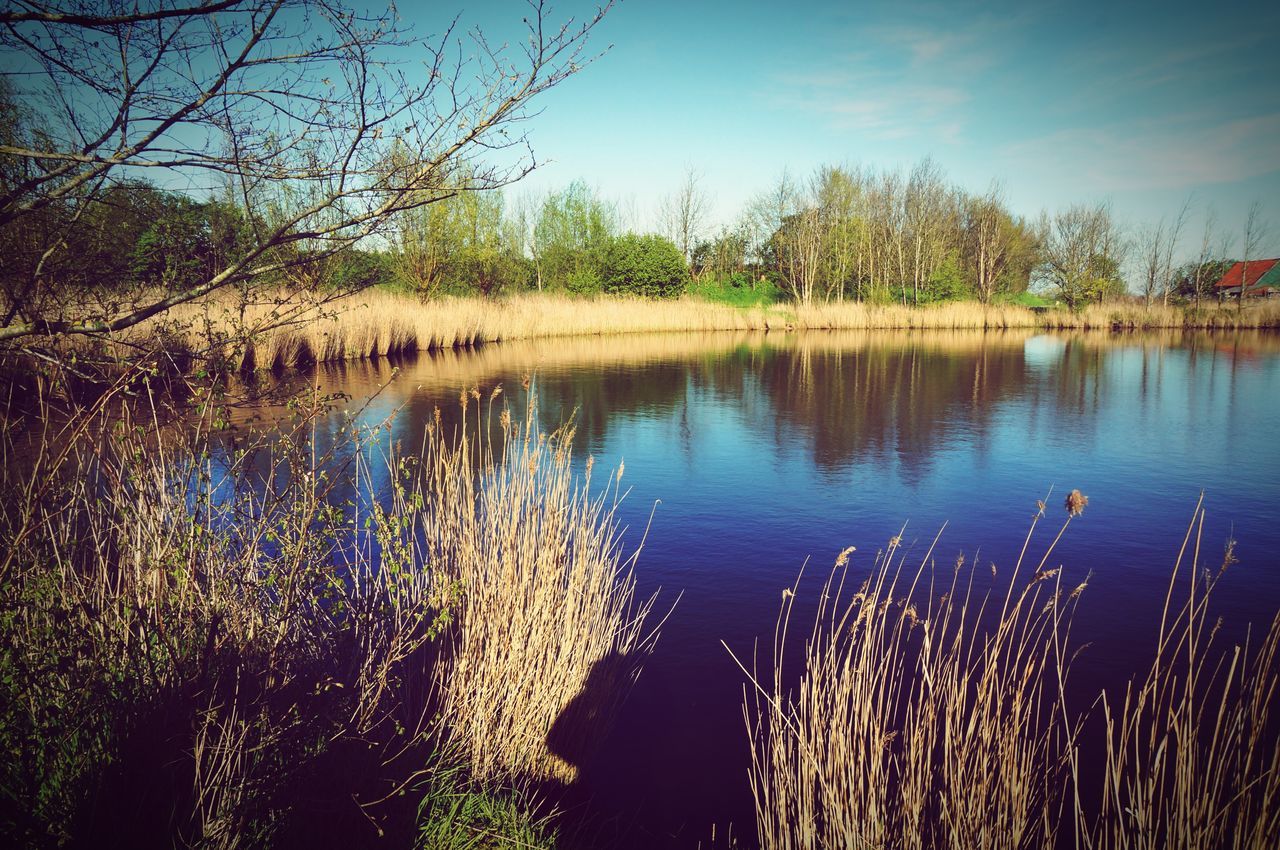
(1263,314)
(198,641)
(1192,749)
(930,715)
(548,629)
(378,323)
(912,726)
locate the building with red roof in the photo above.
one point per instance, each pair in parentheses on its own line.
(1261,280)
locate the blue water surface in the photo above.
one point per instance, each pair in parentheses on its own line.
(755,454)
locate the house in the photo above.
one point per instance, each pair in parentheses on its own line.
(1263,279)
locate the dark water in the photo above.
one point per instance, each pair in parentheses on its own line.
(766,451)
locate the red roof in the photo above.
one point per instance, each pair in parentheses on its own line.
(1257,268)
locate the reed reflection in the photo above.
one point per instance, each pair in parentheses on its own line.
(849,396)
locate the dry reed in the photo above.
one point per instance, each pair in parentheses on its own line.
(926,716)
(914,724)
(548,633)
(379,323)
(239,612)
(1192,750)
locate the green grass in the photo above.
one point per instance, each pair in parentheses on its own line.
(458,814)
(737,291)
(1025,299)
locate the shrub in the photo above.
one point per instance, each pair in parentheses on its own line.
(947,282)
(738,290)
(644,265)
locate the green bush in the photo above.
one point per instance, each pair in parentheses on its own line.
(738,290)
(947,282)
(583,281)
(644,265)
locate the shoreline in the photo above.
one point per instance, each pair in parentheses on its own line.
(377,323)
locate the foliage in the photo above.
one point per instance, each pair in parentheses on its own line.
(1024,299)
(455,813)
(1194,281)
(459,244)
(650,266)
(570,235)
(1082,252)
(737,289)
(947,281)
(723,257)
(199,638)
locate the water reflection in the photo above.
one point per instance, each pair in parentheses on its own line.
(767,449)
(847,396)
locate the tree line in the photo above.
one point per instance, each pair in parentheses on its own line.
(279,150)
(844,233)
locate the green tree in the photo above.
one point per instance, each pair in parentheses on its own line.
(651,266)
(1196,280)
(1082,255)
(573,230)
(947,281)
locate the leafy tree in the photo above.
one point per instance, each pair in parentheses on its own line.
(947,281)
(651,266)
(573,230)
(185,242)
(1197,279)
(722,257)
(1082,255)
(999,250)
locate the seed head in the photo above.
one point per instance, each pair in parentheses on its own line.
(1076,503)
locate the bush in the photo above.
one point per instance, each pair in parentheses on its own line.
(644,265)
(738,290)
(584,281)
(947,282)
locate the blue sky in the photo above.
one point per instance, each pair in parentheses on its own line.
(1143,104)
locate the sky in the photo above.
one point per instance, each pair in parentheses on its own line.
(1145,105)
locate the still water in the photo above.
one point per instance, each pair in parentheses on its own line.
(754,453)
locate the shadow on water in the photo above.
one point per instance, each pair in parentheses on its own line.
(574,738)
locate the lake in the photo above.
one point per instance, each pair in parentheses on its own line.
(754,453)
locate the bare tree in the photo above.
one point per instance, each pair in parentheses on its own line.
(1206,254)
(983,232)
(1255,230)
(683,213)
(1157,246)
(320,122)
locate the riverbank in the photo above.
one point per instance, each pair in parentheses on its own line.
(203,649)
(378,323)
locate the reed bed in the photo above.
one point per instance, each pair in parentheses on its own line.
(930,715)
(961,315)
(197,639)
(1264,314)
(549,635)
(279,333)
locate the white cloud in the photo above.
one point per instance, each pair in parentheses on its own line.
(901,80)
(1159,154)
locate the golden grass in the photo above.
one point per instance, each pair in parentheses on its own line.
(928,715)
(548,635)
(1261,314)
(254,616)
(913,726)
(1192,751)
(378,323)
